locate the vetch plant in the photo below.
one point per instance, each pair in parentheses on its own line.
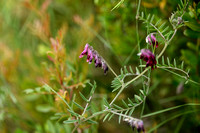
(85,115)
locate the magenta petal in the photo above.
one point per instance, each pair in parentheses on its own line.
(151,39)
(149,57)
(105,67)
(85,51)
(89,56)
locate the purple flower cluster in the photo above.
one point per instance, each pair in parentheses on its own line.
(92,54)
(149,57)
(136,124)
(151,39)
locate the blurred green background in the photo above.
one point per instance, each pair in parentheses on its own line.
(26,27)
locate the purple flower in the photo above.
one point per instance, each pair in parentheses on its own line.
(136,123)
(92,54)
(149,57)
(140,126)
(151,39)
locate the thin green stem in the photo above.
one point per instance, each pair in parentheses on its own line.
(174,68)
(147,91)
(158,31)
(172,36)
(166,44)
(138,9)
(114,73)
(112,70)
(122,115)
(96,114)
(143,105)
(75,128)
(137,34)
(124,86)
(194,82)
(137,30)
(120,91)
(86,105)
(137,77)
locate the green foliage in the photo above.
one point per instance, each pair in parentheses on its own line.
(44,86)
(172,66)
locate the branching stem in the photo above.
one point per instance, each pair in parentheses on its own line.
(86,105)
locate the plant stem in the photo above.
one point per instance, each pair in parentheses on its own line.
(120,91)
(111,70)
(166,44)
(147,91)
(174,68)
(163,50)
(86,105)
(100,112)
(143,105)
(158,31)
(137,30)
(137,77)
(75,128)
(122,115)
(172,36)
(124,86)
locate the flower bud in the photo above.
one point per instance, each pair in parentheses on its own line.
(151,39)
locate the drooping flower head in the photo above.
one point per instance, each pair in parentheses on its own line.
(151,39)
(93,54)
(149,57)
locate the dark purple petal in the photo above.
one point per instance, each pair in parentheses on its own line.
(90,56)
(149,57)
(97,61)
(85,51)
(140,126)
(105,67)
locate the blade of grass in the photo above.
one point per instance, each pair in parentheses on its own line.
(173,117)
(168,109)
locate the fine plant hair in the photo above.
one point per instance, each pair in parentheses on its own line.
(125,113)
